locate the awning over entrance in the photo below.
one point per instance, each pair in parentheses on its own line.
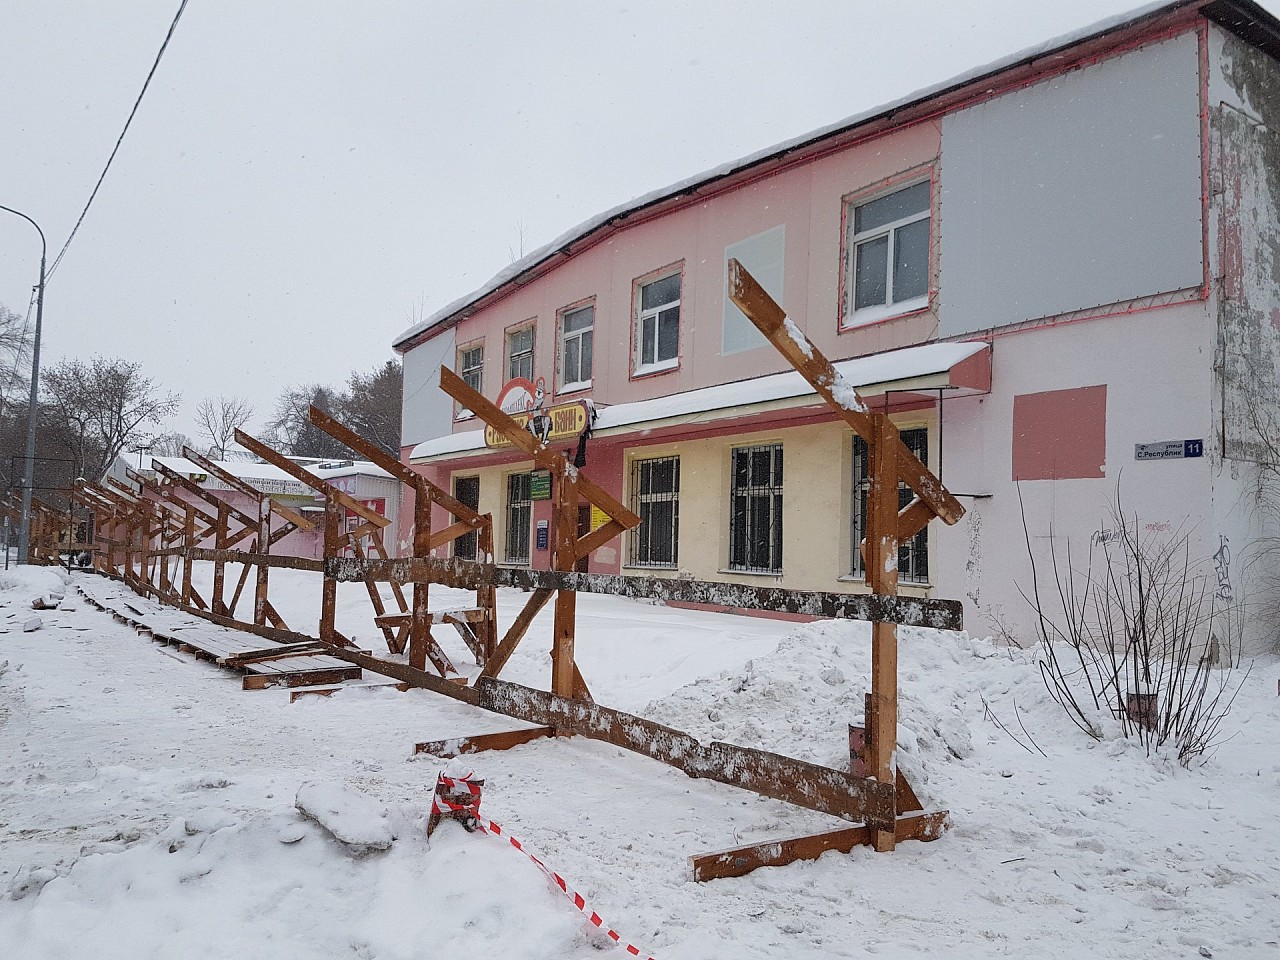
(962,369)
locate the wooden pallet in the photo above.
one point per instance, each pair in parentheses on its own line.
(278,665)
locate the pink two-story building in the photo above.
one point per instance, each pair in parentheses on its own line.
(1058,273)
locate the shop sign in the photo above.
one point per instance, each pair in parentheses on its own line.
(1169,450)
(540,485)
(526,403)
(598,517)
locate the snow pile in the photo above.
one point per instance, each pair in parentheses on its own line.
(800,700)
(149,807)
(354,820)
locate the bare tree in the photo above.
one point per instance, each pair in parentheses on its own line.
(15,356)
(1136,633)
(219,418)
(372,405)
(171,444)
(100,407)
(291,429)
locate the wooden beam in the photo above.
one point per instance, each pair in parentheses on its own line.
(795,781)
(300,678)
(776,853)
(458,746)
(882,577)
(235,483)
(402,472)
(910,611)
(515,633)
(790,341)
(542,455)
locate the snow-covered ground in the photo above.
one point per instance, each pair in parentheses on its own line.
(150,808)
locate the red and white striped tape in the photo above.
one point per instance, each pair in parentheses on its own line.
(462,795)
(488,826)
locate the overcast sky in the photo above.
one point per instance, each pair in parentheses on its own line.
(303,179)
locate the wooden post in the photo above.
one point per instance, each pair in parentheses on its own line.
(566,520)
(264,544)
(420,624)
(881,565)
(189,544)
(329,589)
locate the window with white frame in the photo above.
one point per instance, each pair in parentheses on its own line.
(519,516)
(471,366)
(755,511)
(913,554)
(520,354)
(576,334)
(888,253)
(658,324)
(655,498)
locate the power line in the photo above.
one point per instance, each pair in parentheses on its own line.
(173,26)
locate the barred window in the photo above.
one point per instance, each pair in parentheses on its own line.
(913,555)
(467,490)
(655,498)
(519,517)
(755,517)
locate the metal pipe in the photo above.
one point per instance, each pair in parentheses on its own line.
(24,528)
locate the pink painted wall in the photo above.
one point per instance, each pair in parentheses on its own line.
(806,200)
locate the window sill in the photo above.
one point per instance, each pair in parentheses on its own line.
(651,566)
(771,574)
(651,368)
(568,388)
(459,417)
(903,584)
(869,315)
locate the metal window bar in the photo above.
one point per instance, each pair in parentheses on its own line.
(913,554)
(467,490)
(519,517)
(755,518)
(655,498)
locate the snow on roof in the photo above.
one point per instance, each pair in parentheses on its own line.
(255,470)
(893,367)
(571,236)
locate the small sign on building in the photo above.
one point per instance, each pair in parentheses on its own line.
(543,534)
(540,485)
(1169,450)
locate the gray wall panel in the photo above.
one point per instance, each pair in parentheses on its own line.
(427,412)
(1079,191)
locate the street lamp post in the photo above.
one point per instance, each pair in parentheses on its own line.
(24,527)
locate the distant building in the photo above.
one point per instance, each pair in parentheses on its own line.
(364,481)
(1059,273)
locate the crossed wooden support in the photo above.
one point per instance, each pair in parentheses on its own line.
(570,486)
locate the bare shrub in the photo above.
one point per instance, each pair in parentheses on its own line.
(1139,634)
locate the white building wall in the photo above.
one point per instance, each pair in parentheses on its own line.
(426,411)
(1155,366)
(1244,91)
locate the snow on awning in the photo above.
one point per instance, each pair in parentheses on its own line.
(963,368)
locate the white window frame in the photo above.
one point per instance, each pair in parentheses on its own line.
(566,337)
(531,353)
(468,373)
(857,317)
(639,368)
